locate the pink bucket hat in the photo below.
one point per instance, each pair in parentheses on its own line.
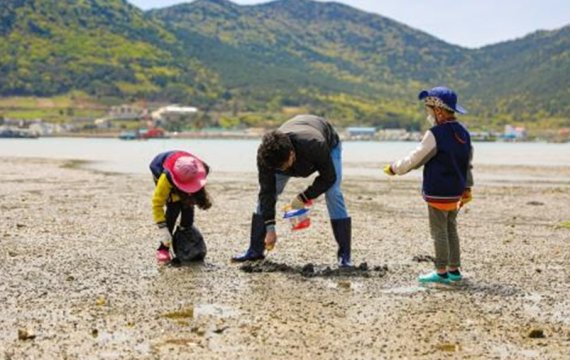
(188,174)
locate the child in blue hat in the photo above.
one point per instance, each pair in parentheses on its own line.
(445,152)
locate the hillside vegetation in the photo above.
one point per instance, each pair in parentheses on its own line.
(264,60)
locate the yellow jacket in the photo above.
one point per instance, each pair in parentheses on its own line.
(162,194)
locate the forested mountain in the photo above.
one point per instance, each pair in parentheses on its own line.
(528,78)
(326,58)
(104,47)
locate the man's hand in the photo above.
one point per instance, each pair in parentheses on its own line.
(164,236)
(388,170)
(466,197)
(270,240)
(297,203)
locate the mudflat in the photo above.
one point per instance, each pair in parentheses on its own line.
(79,279)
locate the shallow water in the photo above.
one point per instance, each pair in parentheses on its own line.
(362,158)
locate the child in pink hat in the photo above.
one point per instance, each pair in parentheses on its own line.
(180,180)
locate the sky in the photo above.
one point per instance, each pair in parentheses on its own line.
(469,23)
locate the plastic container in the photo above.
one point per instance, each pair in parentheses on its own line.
(299,219)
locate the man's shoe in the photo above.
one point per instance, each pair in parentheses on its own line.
(248,256)
(256,241)
(434,277)
(344,263)
(454,277)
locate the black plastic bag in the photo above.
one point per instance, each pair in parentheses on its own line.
(189,245)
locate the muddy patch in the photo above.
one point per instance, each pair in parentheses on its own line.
(311,270)
(535,203)
(199,265)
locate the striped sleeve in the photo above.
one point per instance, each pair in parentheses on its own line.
(418,157)
(159,198)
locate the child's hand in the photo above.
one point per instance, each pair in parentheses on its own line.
(388,170)
(164,236)
(466,197)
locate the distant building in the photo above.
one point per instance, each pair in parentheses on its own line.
(482,136)
(563,135)
(360,133)
(393,134)
(42,128)
(172,113)
(125,112)
(12,132)
(514,133)
(20,123)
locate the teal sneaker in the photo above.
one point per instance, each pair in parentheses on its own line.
(454,277)
(433,277)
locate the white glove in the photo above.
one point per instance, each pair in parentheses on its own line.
(164,236)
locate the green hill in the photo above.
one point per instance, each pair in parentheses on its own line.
(363,67)
(104,47)
(343,62)
(273,58)
(525,79)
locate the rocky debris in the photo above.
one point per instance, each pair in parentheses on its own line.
(187,313)
(535,203)
(220,330)
(310,270)
(198,330)
(423,258)
(536,334)
(447,347)
(24,334)
(101,301)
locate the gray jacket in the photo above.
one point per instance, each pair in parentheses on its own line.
(313,139)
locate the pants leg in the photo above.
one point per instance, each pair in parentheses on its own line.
(258,232)
(280,182)
(439,233)
(453,239)
(334,198)
(186,216)
(173,209)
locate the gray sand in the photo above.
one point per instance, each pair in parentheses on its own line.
(79,279)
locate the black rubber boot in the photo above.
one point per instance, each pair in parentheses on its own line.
(342,230)
(256,241)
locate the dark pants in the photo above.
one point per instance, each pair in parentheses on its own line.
(186,212)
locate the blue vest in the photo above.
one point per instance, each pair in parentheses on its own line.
(445,174)
(157,165)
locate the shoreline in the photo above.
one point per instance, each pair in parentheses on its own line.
(231,135)
(79,274)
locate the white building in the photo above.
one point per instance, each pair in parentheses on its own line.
(125,112)
(360,133)
(514,133)
(173,113)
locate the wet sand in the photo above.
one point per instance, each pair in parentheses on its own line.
(79,279)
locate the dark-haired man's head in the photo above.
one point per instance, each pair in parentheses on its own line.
(276,151)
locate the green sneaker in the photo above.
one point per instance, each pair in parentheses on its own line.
(433,277)
(453,277)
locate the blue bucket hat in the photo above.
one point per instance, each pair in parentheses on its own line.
(446,95)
